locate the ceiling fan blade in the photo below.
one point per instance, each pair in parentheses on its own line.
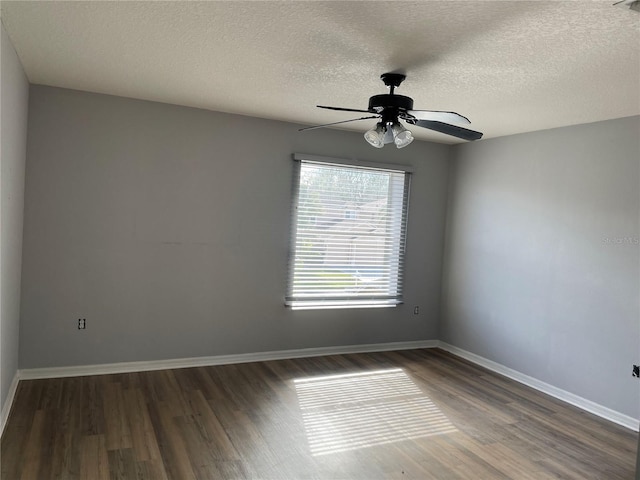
(336,123)
(447,129)
(438,116)
(344,109)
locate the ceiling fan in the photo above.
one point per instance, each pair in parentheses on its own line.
(391,108)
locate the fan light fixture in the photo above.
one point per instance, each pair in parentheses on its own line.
(375,136)
(381,135)
(401,136)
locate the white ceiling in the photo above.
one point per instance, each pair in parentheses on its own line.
(510,66)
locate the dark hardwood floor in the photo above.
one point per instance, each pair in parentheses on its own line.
(414,414)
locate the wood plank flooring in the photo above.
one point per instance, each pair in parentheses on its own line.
(416,414)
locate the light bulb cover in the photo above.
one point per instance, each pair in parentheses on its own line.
(375,136)
(401,136)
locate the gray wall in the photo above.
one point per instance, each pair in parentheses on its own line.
(167,228)
(542,260)
(14,98)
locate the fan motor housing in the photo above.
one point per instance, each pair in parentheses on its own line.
(378,103)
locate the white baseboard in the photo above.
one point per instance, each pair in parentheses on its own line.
(111,368)
(575,400)
(6,407)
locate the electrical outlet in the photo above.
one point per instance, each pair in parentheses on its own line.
(636,370)
(416,310)
(82,323)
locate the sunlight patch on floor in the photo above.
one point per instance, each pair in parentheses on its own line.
(351,411)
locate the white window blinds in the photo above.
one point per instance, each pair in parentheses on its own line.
(348,236)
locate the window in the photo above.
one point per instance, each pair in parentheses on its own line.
(348,235)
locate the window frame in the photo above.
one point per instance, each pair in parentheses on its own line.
(356,301)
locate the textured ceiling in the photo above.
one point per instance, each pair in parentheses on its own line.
(510,66)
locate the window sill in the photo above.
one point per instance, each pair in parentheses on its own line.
(332,305)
